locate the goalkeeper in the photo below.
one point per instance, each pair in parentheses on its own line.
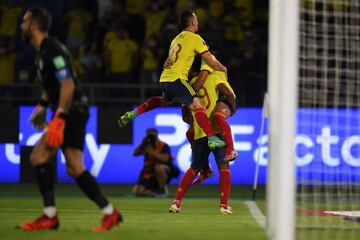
(66,130)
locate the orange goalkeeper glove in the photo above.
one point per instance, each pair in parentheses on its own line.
(55,134)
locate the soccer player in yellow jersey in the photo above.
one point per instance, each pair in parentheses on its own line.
(209,85)
(174,78)
(219,90)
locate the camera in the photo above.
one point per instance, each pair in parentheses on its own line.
(150,140)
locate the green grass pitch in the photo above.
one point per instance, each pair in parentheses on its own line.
(144,218)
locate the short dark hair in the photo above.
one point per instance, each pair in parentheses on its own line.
(184,18)
(41,17)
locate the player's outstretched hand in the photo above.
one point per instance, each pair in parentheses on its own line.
(38,117)
(55,131)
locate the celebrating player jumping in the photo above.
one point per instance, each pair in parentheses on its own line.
(217,109)
(174,79)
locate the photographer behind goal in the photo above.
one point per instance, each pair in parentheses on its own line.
(158,167)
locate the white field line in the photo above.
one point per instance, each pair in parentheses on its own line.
(345,213)
(257,214)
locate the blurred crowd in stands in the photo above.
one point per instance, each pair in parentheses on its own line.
(126,42)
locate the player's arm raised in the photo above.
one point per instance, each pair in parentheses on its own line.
(230,97)
(200,80)
(213,63)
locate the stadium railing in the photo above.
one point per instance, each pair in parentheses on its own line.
(98,93)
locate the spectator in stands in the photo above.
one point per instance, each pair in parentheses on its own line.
(7,61)
(79,24)
(251,72)
(158,166)
(155,18)
(121,54)
(150,61)
(199,8)
(136,25)
(114,13)
(226,23)
(90,61)
(10,13)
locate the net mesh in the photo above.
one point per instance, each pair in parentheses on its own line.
(328,128)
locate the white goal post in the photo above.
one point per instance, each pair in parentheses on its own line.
(313,185)
(283,83)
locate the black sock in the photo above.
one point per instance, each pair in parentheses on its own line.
(88,184)
(45,179)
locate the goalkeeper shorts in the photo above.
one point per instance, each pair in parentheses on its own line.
(75,130)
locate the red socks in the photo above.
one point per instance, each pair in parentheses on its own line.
(204,122)
(185,183)
(224,186)
(225,129)
(150,104)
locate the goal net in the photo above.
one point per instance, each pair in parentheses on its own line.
(327,143)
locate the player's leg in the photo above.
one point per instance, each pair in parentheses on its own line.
(200,153)
(225,187)
(40,160)
(183,186)
(88,184)
(148,105)
(222,112)
(203,121)
(161,174)
(190,135)
(158,101)
(184,94)
(72,148)
(224,180)
(205,171)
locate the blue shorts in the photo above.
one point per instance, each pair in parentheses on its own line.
(201,152)
(179,91)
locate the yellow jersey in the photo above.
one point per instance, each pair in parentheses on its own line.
(10,20)
(217,76)
(208,95)
(79,23)
(122,53)
(183,49)
(150,62)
